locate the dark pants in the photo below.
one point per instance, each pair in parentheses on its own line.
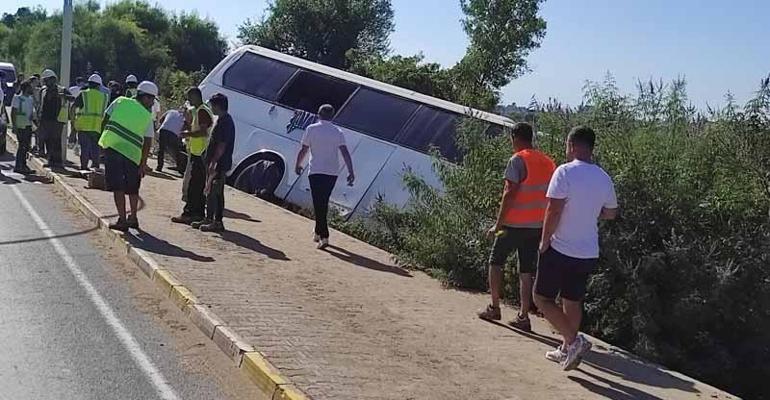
(39,141)
(321,187)
(215,201)
(169,142)
(89,149)
(52,131)
(24,136)
(195,182)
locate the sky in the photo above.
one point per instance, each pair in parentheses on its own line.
(717,45)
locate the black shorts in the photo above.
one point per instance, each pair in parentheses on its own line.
(525,241)
(560,275)
(120,173)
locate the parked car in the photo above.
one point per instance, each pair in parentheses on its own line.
(9,81)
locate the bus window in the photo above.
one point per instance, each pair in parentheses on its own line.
(258,76)
(431,127)
(308,91)
(376,114)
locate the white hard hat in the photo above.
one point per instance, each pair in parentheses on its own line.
(95,78)
(47,73)
(131,78)
(148,87)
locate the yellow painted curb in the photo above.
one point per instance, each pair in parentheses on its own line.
(290,392)
(182,297)
(231,344)
(165,280)
(262,373)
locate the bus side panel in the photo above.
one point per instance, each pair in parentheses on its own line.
(389,185)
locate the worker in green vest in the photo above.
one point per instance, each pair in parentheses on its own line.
(88,109)
(22,118)
(131,86)
(127,132)
(197,137)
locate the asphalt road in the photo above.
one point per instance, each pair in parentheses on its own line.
(78,322)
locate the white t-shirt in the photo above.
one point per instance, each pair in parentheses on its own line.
(148,133)
(24,105)
(173,122)
(324,140)
(587,189)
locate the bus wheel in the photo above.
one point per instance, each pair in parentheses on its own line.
(260,178)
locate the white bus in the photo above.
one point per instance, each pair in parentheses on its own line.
(273,98)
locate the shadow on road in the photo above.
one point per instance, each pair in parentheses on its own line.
(161,175)
(248,242)
(152,244)
(59,236)
(613,390)
(365,262)
(618,365)
(239,215)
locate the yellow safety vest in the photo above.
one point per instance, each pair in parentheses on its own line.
(22,119)
(88,118)
(64,110)
(197,145)
(124,131)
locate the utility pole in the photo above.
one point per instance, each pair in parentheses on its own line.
(66,55)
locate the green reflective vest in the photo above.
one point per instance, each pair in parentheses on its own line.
(89,117)
(22,119)
(124,131)
(64,110)
(197,145)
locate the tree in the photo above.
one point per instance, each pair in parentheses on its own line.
(502,33)
(195,43)
(323,31)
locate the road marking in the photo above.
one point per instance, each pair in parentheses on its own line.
(162,387)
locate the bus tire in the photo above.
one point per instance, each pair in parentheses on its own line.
(260,177)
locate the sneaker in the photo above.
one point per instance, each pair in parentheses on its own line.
(557,355)
(490,313)
(575,353)
(184,219)
(133,222)
(119,225)
(198,224)
(324,243)
(316,238)
(216,226)
(521,323)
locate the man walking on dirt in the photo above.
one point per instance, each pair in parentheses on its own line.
(126,139)
(519,222)
(195,172)
(325,142)
(579,195)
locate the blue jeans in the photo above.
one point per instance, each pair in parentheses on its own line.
(89,149)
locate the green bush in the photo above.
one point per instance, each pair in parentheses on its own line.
(684,276)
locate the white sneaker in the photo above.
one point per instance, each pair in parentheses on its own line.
(323,243)
(575,353)
(316,238)
(557,355)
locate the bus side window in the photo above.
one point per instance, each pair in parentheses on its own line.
(308,91)
(376,114)
(257,76)
(432,128)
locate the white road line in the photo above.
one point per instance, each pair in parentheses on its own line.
(162,387)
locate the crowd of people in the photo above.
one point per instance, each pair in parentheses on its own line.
(548,215)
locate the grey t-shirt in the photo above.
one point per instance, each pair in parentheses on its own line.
(516,171)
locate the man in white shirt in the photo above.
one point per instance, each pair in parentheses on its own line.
(324,141)
(168,139)
(579,195)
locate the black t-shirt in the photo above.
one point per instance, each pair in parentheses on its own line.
(51,104)
(224,132)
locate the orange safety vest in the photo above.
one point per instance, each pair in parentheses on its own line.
(527,210)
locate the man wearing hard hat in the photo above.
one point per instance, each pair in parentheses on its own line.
(89,110)
(126,139)
(54,112)
(131,86)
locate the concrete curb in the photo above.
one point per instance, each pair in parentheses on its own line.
(248,359)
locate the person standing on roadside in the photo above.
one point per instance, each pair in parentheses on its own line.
(579,195)
(126,139)
(219,160)
(39,147)
(53,114)
(88,108)
(168,138)
(131,86)
(195,172)
(116,90)
(324,141)
(22,116)
(519,223)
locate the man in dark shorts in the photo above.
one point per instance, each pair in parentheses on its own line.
(519,222)
(579,195)
(126,139)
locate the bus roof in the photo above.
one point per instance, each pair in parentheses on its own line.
(377,85)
